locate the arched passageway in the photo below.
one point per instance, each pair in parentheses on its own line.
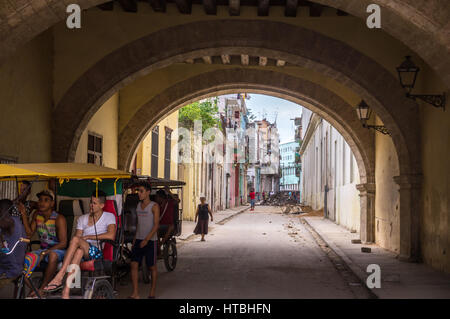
(308,49)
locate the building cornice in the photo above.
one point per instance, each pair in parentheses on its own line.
(312,125)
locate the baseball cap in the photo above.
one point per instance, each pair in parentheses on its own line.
(46,192)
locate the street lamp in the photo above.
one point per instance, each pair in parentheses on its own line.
(364,112)
(407,73)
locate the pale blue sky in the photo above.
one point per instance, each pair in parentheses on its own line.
(269,107)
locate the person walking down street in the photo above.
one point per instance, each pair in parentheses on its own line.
(202,213)
(252,199)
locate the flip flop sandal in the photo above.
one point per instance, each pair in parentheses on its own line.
(56,288)
(151,297)
(132,298)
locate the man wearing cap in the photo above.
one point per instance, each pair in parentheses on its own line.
(52,231)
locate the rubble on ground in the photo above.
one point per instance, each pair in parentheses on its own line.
(288,204)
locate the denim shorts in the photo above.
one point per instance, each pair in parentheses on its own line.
(59,252)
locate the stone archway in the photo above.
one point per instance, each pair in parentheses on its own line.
(272,39)
(325,103)
(420,24)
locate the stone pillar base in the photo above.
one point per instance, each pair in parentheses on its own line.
(367,202)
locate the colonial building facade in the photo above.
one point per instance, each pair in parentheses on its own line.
(330,173)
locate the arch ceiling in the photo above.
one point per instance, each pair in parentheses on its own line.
(420,24)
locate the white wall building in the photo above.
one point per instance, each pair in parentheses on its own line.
(330,172)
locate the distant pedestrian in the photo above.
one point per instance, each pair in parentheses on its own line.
(202,213)
(252,199)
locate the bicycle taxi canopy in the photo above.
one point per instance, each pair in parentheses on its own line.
(157,182)
(62,171)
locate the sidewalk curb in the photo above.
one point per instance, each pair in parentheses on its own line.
(350,264)
(225,220)
(222,222)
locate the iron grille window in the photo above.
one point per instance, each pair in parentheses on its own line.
(155,150)
(8,189)
(95,149)
(167,150)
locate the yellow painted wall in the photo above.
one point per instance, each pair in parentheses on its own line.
(187,173)
(435,218)
(105,123)
(143,155)
(387,199)
(26,102)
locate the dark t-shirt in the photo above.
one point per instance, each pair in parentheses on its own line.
(203,212)
(11,266)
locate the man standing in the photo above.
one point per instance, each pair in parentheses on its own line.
(91,228)
(52,230)
(252,199)
(145,242)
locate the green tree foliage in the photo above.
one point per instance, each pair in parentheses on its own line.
(206,111)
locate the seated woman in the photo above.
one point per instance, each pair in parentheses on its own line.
(11,230)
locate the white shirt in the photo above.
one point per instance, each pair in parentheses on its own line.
(102,225)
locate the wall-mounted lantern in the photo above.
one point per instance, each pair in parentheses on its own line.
(364,112)
(407,73)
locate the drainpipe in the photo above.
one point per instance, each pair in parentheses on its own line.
(325,208)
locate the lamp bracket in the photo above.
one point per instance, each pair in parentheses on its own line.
(435,100)
(380,128)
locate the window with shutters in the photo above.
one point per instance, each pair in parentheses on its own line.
(167,150)
(155,150)
(95,149)
(8,189)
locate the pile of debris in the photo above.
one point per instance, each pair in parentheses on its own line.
(288,204)
(280,199)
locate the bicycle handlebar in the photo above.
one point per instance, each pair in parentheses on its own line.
(21,240)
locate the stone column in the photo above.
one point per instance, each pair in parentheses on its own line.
(367,201)
(410,188)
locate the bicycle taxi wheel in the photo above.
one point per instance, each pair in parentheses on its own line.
(170,255)
(102,290)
